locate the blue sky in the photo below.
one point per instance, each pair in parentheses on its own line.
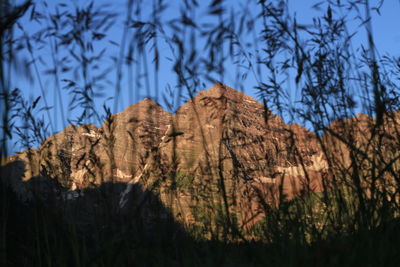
(385,29)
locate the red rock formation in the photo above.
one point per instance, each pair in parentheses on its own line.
(222,156)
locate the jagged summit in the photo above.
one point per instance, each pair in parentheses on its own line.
(219,90)
(221,98)
(148,101)
(143,105)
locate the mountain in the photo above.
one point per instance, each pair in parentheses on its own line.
(224,149)
(222,159)
(364,154)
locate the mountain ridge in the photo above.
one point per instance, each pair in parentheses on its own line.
(220,149)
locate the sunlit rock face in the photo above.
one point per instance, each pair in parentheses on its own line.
(86,156)
(225,149)
(365,154)
(132,135)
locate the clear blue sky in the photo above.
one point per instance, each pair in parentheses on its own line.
(385,29)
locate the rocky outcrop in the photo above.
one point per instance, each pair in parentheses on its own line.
(364,154)
(86,156)
(224,149)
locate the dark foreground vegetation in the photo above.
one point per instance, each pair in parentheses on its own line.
(353,219)
(37,235)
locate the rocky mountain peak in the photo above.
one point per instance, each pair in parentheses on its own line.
(221,141)
(221,91)
(144,107)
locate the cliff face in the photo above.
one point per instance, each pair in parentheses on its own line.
(365,154)
(87,156)
(222,156)
(224,149)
